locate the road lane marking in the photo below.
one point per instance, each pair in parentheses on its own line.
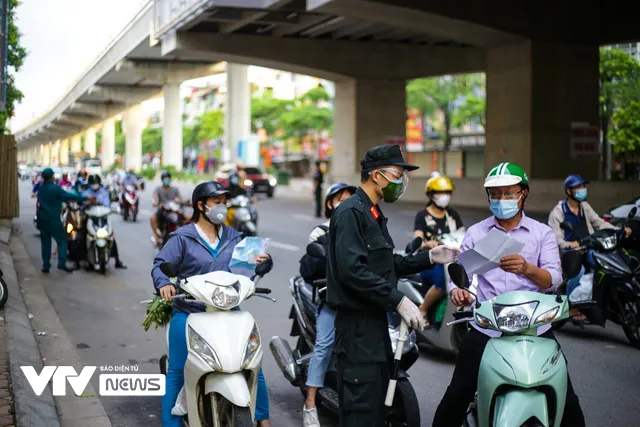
(284,246)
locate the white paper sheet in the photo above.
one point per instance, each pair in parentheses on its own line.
(486,254)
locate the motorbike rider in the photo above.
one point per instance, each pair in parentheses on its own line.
(325,317)
(82,175)
(64,181)
(50,197)
(129,179)
(537,268)
(39,181)
(440,218)
(362,277)
(202,246)
(101,197)
(584,221)
(162,194)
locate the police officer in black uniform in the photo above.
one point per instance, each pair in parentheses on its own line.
(362,277)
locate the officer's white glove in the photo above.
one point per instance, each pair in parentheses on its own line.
(443,254)
(411,314)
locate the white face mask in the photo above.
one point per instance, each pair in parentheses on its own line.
(441,200)
(335,205)
(95,187)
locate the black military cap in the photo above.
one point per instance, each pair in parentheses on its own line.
(385,155)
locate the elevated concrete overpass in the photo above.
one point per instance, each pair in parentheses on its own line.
(540,58)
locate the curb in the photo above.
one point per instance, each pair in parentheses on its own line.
(22,349)
(72,410)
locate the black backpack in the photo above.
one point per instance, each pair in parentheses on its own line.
(315,268)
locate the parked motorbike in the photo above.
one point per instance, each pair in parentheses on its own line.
(74,219)
(615,283)
(444,339)
(99,237)
(129,203)
(243,216)
(174,218)
(523,377)
(294,364)
(224,347)
(4,290)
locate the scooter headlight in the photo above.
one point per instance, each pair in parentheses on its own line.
(514,318)
(102,233)
(251,349)
(199,346)
(547,316)
(226,297)
(69,228)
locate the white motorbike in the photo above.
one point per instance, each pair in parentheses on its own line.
(245,215)
(99,237)
(437,336)
(225,348)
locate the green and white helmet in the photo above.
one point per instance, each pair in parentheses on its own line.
(506,174)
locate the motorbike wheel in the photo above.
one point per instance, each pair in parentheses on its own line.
(229,414)
(4,292)
(406,410)
(164,364)
(631,325)
(102,261)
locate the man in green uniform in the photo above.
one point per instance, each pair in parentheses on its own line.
(50,197)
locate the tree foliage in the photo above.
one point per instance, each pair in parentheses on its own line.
(625,129)
(15,59)
(266,111)
(151,140)
(210,125)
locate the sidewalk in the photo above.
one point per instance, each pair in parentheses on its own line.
(6,395)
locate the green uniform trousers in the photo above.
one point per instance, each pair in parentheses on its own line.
(53,230)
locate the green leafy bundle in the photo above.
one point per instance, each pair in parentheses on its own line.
(158,312)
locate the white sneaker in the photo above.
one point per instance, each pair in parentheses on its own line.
(310,417)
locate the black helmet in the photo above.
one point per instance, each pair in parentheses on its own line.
(167,174)
(332,191)
(95,179)
(205,190)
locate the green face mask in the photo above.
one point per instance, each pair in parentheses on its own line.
(395,189)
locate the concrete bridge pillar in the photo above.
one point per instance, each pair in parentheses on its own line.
(366,113)
(108,143)
(64,152)
(237,114)
(46,154)
(76,143)
(172,129)
(133,123)
(535,92)
(90,142)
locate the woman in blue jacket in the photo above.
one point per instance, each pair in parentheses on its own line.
(202,246)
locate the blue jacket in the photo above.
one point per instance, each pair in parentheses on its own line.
(102,196)
(187,247)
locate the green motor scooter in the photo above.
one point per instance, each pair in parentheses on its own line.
(522,380)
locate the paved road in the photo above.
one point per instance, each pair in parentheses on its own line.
(102,316)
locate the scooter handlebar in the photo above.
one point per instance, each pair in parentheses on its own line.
(262,291)
(462,314)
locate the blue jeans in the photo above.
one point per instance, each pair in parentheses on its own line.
(325,334)
(175,374)
(573,283)
(435,277)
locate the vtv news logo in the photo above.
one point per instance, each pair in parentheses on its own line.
(110,384)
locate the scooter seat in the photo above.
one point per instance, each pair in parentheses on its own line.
(305,290)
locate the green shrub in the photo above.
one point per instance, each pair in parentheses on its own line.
(149,173)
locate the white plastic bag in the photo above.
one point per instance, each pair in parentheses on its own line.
(243,260)
(180,408)
(584,291)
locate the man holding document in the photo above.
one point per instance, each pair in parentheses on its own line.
(507,251)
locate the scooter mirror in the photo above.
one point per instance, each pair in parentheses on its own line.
(458,275)
(170,268)
(413,245)
(566,226)
(571,263)
(633,212)
(316,250)
(264,267)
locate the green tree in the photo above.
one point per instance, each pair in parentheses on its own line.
(447,96)
(625,129)
(303,118)
(190,136)
(619,85)
(211,125)
(15,59)
(266,111)
(151,140)
(121,140)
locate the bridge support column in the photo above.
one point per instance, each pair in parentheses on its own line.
(172,129)
(132,125)
(76,144)
(534,93)
(108,143)
(90,142)
(365,114)
(46,155)
(64,152)
(237,114)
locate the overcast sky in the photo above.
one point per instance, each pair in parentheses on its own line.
(62,38)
